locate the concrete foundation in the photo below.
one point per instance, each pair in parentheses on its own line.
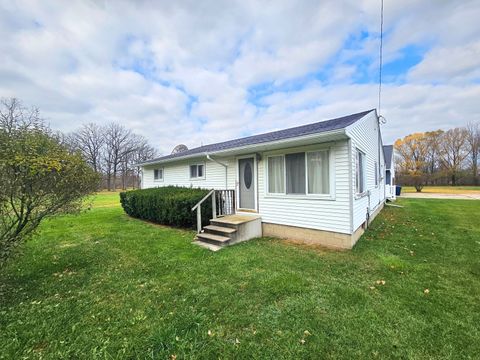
(329,239)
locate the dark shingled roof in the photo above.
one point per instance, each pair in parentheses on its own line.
(388,152)
(319,127)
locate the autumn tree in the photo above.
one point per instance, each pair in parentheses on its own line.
(412,151)
(39,176)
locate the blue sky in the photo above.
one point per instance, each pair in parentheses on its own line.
(191,72)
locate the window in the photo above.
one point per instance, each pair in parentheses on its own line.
(276,175)
(158,174)
(299,173)
(197,171)
(295,170)
(376,174)
(360,172)
(318,175)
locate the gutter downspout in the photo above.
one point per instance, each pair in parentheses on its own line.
(224,165)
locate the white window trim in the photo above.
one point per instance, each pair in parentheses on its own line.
(359,195)
(307,196)
(198,177)
(163,174)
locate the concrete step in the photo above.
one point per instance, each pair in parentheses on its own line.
(219,230)
(208,245)
(213,239)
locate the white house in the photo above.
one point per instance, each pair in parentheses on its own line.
(319,183)
(389,153)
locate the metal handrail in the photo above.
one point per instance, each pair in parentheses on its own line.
(203,199)
(226,199)
(199,209)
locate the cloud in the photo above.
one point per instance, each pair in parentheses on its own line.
(198,72)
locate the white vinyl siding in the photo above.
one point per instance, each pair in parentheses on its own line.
(364,137)
(323,212)
(178,174)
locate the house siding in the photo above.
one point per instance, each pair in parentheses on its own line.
(178,174)
(321,214)
(364,136)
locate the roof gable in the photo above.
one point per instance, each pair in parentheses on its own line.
(388,152)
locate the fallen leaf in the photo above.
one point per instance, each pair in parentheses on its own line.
(210,333)
(426,291)
(302,341)
(307,333)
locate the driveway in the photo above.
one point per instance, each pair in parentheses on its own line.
(441,196)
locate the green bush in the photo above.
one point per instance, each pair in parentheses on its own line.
(170,205)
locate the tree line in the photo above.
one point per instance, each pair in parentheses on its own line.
(439,157)
(112,151)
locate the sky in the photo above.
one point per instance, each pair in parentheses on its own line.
(197,72)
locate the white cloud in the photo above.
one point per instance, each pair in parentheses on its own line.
(181,72)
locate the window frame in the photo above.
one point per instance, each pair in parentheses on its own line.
(163,174)
(360,192)
(197,165)
(306,150)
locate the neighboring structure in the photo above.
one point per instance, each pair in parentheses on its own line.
(388,151)
(320,183)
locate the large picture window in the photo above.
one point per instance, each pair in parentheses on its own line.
(302,173)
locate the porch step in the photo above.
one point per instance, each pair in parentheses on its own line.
(213,239)
(219,230)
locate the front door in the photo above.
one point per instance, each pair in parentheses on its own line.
(247,183)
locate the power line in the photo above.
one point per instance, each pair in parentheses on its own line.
(381,60)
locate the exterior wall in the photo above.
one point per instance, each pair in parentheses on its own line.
(178,173)
(364,136)
(313,213)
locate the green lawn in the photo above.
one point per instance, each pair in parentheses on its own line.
(445,189)
(102,285)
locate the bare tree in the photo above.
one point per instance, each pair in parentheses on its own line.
(143,153)
(90,140)
(453,152)
(118,145)
(432,139)
(14,116)
(473,143)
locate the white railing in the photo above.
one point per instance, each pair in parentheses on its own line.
(226,205)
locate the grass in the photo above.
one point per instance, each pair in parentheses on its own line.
(102,285)
(445,189)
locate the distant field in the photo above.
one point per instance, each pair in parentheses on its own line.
(445,189)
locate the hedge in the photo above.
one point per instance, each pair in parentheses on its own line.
(170,205)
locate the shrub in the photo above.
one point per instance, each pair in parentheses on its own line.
(170,205)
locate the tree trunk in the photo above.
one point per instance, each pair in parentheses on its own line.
(453,180)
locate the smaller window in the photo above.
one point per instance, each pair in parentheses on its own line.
(158,174)
(360,172)
(197,171)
